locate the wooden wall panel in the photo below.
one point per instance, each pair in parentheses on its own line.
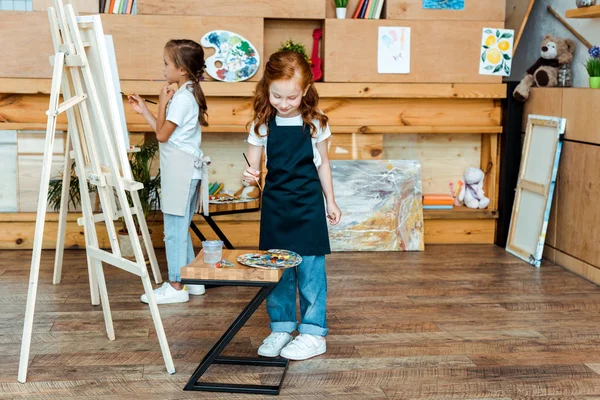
(80,6)
(356,146)
(278,31)
(441,51)
(580,107)
(306,9)
(475,10)
(443,158)
(139,41)
(517,14)
(243,233)
(8,171)
(544,101)
(452,231)
(358,112)
(578,216)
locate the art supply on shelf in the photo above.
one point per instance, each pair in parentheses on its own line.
(213,251)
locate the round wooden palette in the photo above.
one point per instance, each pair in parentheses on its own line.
(272,259)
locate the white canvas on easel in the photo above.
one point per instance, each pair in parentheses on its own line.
(81,69)
(535,187)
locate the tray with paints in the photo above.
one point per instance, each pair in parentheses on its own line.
(272,259)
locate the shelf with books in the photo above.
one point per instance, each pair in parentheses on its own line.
(360,9)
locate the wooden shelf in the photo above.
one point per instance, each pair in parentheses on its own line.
(460,213)
(326,90)
(584,12)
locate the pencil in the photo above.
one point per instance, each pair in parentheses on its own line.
(146,100)
(248,162)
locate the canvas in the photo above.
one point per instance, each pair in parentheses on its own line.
(381,205)
(393,50)
(444,4)
(496,51)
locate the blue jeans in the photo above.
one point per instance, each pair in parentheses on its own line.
(312,285)
(178,242)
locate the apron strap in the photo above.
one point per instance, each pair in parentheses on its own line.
(203,165)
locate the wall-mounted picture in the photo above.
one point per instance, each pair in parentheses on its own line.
(393,50)
(496,52)
(444,4)
(235,58)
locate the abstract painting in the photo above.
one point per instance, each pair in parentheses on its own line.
(393,50)
(444,4)
(495,57)
(381,205)
(235,58)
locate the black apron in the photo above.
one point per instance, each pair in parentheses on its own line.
(293,209)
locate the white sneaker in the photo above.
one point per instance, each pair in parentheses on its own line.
(166,294)
(303,347)
(273,344)
(196,290)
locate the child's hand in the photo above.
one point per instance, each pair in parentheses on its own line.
(333,212)
(137,103)
(165,94)
(251,175)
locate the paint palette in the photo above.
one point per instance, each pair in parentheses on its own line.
(272,259)
(235,58)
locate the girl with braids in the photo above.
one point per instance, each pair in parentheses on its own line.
(294,133)
(178,127)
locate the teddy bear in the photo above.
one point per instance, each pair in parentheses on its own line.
(471,194)
(544,73)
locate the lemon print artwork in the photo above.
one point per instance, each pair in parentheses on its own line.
(496,51)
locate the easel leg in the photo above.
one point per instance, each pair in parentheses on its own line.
(62,216)
(41,216)
(146,236)
(158,325)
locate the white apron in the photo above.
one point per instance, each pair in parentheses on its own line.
(176,171)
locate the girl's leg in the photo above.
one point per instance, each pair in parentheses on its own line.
(178,243)
(281,303)
(312,286)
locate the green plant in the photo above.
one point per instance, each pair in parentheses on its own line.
(291,45)
(141,166)
(341,3)
(592,65)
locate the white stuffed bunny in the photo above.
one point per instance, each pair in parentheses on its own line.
(471,194)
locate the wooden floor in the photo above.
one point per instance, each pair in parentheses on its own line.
(453,322)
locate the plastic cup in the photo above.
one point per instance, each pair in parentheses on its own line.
(213,251)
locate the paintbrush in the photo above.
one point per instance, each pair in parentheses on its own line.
(248,162)
(146,100)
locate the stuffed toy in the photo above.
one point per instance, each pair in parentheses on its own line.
(471,194)
(544,73)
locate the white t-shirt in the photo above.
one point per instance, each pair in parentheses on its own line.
(183,110)
(261,139)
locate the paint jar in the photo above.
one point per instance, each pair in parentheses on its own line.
(564,75)
(213,251)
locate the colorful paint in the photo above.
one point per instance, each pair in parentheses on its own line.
(444,4)
(272,259)
(381,205)
(235,58)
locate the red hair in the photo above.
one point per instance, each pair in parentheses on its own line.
(286,65)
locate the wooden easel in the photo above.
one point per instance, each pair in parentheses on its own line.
(98,160)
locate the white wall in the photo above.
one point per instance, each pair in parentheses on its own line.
(542,22)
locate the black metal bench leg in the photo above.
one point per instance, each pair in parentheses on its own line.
(213,357)
(218,231)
